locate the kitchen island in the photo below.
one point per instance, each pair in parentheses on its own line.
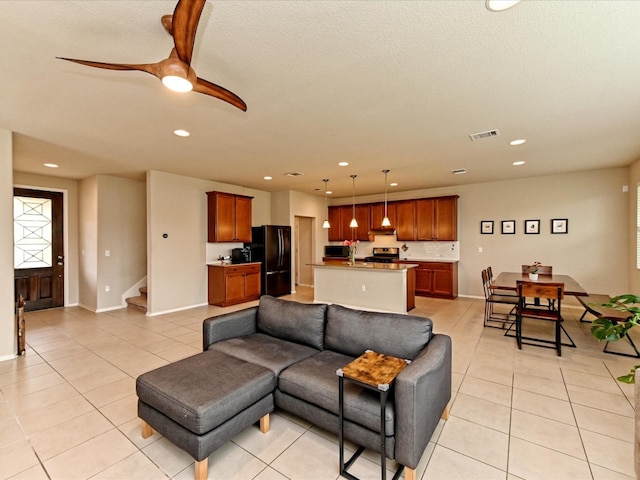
(383,287)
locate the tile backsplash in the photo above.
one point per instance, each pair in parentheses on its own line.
(415,250)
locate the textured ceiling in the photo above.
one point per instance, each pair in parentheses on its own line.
(383,85)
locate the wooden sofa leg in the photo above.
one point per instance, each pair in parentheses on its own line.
(147,431)
(202,469)
(445,413)
(409,473)
(265,424)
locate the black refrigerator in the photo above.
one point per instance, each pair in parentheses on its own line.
(271,246)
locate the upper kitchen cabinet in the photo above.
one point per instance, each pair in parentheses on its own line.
(229,217)
(405,220)
(340,218)
(377,214)
(437,218)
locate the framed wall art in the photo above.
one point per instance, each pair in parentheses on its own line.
(486,227)
(532,227)
(508,227)
(559,225)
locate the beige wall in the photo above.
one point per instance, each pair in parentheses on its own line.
(122,230)
(176,265)
(634,273)
(69,188)
(88,243)
(8,346)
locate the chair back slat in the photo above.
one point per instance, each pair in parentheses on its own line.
(542,269)
(552,290)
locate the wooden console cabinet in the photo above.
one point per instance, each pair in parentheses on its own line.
(436,279)
(231,284)
(229,217)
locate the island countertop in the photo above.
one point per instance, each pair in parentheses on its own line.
(385,267)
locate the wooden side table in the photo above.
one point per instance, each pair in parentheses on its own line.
(377,372)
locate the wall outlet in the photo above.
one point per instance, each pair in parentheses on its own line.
(479,249)
(107,253)
(364,288)
(107,288)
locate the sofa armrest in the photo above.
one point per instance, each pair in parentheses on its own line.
(229,325)
(423,390)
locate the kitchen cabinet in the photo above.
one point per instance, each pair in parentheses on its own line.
(437,218)
(436,279)
(340,218)
(406,220)
(377,214)
(232,284)
(229,217)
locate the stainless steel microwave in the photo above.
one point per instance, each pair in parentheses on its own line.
(336,251)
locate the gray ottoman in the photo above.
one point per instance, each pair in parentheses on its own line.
(201,402)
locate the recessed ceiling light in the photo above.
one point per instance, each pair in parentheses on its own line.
(518,163)
(50,165)
(268,178)
(181,133)
(499,5)
(328,192)
(520,141)
(393,184)
(343,164)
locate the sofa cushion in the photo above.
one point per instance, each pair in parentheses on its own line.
(352,332)
(270,352)
(297,322)
(314,380)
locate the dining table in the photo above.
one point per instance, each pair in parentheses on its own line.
(509,280)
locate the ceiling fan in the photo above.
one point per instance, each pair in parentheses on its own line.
(176,72)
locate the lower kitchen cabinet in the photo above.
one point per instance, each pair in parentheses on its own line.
(231,284)
(436,279)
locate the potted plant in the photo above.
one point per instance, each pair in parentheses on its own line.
(605,329)
(612,331)
(533,270)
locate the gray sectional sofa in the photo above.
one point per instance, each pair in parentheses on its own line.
(304,344)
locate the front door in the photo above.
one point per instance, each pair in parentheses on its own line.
(38,248)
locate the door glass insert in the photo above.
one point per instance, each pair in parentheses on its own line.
(32,233)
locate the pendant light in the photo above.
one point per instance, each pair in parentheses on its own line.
(326,224)
(354,222)
(385,221)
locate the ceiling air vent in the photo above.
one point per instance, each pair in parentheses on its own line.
(294,174)
(459,171)
(487,134)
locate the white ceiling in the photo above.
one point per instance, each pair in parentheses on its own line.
(380,84)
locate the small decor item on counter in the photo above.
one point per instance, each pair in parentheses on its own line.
(533,271)
(353,248)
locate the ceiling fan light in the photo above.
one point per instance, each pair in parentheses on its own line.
(177,84)
(386,222)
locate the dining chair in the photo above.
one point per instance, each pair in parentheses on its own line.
(509,293)
(542,270)
(547,290)
(493,318)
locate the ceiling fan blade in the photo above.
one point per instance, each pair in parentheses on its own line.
(151,68)
(208,88)
(184,24)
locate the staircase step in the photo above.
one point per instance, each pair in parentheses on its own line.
(143,291)
(139,303)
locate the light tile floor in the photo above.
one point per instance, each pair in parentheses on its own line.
(68,407)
